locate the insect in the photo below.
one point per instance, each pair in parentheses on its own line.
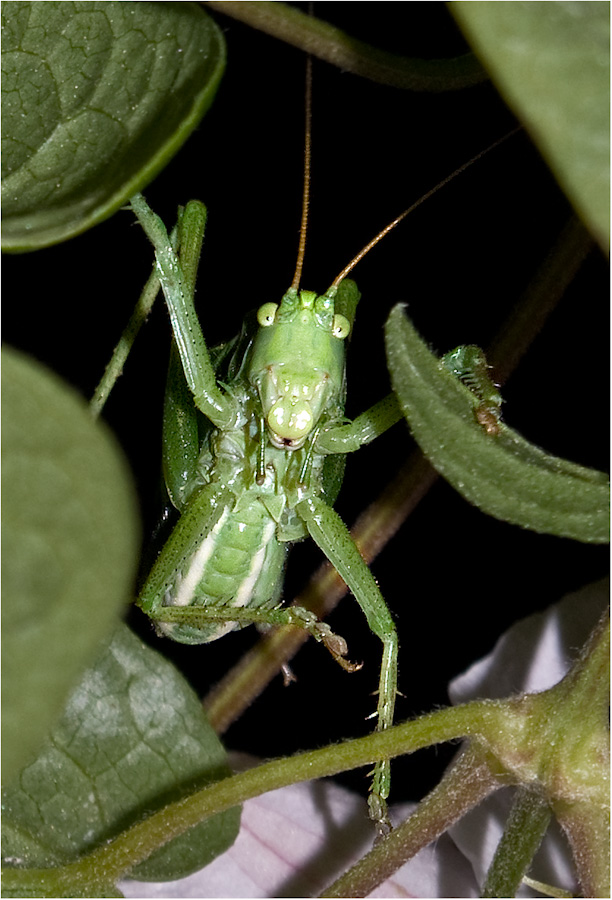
(254,445)
(263,468)
(468,363)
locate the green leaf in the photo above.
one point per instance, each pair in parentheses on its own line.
(92,889)
(502,474)
(132,738)
(69,547)
(96,99)
(551,61)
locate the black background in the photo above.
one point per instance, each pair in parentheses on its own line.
(453,578)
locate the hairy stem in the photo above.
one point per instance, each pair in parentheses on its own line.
(116,858)
(464,786)
(525,829)
(330,44)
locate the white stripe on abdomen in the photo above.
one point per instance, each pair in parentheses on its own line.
(245,591)
(190,581)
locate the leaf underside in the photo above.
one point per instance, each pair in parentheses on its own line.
(503,474)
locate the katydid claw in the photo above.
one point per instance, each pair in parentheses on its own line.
(379,815)
(338,648)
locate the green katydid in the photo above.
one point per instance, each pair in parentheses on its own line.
(267,471)
(265,467)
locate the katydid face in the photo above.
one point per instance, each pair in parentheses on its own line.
(297,364)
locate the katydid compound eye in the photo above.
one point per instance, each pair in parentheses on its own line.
(340,327)
(266,313)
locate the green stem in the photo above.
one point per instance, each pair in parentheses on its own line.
(121,352)
(547,889)
(578,770)
(138,318)
(107,864)
(330,44)
(463,787)
(525,829)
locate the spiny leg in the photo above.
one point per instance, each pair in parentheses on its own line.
(177,281)
(289,615)
(329,532)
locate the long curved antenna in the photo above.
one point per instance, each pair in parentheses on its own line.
(306,191)
(381,234)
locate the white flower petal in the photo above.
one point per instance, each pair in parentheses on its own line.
(536,652)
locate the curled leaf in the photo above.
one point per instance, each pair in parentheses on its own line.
(501,473)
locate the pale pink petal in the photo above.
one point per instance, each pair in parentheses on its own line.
(295,841)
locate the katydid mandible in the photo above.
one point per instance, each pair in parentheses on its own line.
(267,469)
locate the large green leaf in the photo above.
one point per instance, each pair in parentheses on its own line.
(96,98)
(132,738)
(551,61)
(69,547)
(503,474)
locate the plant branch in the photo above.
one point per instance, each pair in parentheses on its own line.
(464,786)
(525,829)
(108,863)
(330,44)
(578,770)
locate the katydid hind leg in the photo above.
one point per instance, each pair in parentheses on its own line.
(329,532)
(205,509)
(296,616)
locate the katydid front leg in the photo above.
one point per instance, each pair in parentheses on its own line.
(362,430)
(177,279)
(329,531)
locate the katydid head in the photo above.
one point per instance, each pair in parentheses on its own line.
(297,364)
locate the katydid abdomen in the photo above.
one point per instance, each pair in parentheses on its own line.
(239,563)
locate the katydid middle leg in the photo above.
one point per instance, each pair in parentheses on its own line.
(329,531)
